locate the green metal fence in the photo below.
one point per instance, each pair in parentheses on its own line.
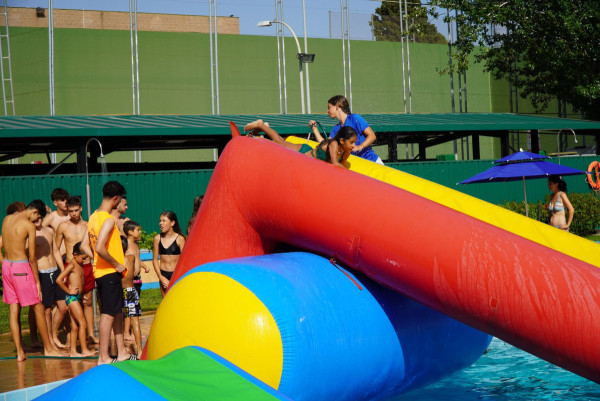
(150,193)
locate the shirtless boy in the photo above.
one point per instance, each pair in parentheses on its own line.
(73,274)
(131,296)
(13,208)
(59,197)
(72,232)
(20,276)
(50,265)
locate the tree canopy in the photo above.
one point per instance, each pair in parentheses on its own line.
(386,23)
(547,48)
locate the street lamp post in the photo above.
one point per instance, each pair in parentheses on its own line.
(302,57)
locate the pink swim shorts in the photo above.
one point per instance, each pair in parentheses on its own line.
(19,284)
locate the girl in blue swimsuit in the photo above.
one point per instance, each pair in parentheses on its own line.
(168,244)
(559,203)
(339,108)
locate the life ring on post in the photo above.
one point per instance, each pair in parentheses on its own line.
(595,168)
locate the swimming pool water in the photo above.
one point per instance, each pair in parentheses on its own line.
(506,373)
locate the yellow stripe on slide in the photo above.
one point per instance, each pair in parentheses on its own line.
(223,316)
(543,234)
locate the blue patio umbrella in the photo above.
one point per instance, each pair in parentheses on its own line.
(521,166)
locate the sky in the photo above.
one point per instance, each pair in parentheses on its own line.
(250,12)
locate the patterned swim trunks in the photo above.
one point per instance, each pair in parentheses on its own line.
(72,298)
(131,298)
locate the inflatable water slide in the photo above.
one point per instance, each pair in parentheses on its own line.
(301,280)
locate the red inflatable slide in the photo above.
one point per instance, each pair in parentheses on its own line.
(263,195)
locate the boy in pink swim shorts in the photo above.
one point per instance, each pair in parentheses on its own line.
(19,283)
(20,274)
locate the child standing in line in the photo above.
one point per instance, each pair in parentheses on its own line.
(131,297)
(73,273)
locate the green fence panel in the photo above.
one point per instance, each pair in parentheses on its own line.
(151,193)
(148,193)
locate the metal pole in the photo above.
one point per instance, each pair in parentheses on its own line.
(281,55)
(408,60)
(343,46)
(51,54)
(306,51)
(89,209)
(349,57)
(137,59)
(2,64)
(281,110)
(450,40)
(212,62)
(216,36)
(133,104)
(214,56)
(402,53)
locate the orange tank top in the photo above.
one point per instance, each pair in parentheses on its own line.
(113,245)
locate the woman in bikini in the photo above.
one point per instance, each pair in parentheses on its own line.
(559,203)
(335,150)
(168,244)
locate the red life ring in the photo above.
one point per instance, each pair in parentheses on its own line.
(595,167)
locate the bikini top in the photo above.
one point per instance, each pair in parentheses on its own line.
(557,206)
(173,249)
(320,154)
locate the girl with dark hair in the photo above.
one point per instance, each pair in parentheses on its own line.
(339,108)
(559,203)
(335,150)
(170,234)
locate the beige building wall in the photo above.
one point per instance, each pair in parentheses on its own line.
(117,20)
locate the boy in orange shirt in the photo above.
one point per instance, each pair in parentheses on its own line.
(105,241)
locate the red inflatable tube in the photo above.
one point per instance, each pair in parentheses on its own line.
(262,194)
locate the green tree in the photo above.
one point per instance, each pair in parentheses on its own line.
(547,48)
(386,23)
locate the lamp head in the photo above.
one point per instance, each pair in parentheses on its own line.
(306,57)
(264,23)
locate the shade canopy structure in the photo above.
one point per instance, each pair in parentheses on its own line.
(521,166)
(21,135)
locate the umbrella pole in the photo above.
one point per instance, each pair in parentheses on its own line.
(525,192)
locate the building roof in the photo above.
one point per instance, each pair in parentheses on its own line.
(144,125)
(35,134)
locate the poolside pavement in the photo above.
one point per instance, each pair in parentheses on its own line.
(38,370)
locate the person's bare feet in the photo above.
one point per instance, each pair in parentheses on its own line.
(53,352)
(58,344)
(253,125)
(105,361)
(87,353)
(92,340)
(75,355)
(21,357)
